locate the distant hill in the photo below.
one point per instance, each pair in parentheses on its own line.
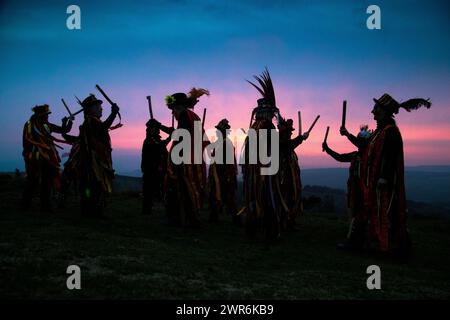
(423,184)
(317,198)
(428,184)
(429,168)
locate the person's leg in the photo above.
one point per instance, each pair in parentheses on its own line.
(158,186)
(65,189)
(98,199)
(147,201)
(172,204)
(85,198)
(47,178)
(191,213)
(30,184)
(271,219)
(231,207)
(213,208)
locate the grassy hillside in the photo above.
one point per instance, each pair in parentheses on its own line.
(134,256)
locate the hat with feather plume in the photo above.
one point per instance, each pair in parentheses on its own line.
(392,106)
(267,104)
(185,100)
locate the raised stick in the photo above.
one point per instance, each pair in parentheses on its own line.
(313,124)
(344,113)
(67,107)
(204,116)
(104,94)
(79,111)
(149,99)
(299,123)
(326,134)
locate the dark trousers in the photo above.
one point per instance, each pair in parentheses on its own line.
(68,184)
(148,189)
(152,186)
(228,204)
(179,207)
(269,222)
(39,174)
(92,199)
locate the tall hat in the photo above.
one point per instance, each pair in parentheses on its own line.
(90,101)
(223,125)
(267,104)
(152,123)
(392,106)
(185,100)
(286,125)
(41,110)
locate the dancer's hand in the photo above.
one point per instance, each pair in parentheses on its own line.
(305,135)
(343,131)
(115,108)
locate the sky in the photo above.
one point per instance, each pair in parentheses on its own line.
(319,53)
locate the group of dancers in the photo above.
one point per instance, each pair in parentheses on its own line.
(272,203)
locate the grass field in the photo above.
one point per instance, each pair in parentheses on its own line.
(137,257)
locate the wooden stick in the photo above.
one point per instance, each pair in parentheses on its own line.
(79,111)
(326,135)
(204,116)
(313,124)
(67,107)
(104,94)
(149,99)
(299,123)
(79,101)
(344,113)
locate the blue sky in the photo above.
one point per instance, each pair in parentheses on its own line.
(319,53)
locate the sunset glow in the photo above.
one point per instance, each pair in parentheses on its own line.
(317,53)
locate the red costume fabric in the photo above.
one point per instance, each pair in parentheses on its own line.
(290,179)
(262,194)
(185,183)
(39,149)
(385,205)
(41,160)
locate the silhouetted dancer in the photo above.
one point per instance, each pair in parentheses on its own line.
(153,165)
(290,179)
(222,176)
(185,182)
(262,194)
(358,223)
(383,178)
(41,157)
(95,169)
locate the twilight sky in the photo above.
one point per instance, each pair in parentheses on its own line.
(318,53)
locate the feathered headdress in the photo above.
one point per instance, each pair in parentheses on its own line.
(186,100)
(391,105)
(197,93)
(267,104)
(266,87)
